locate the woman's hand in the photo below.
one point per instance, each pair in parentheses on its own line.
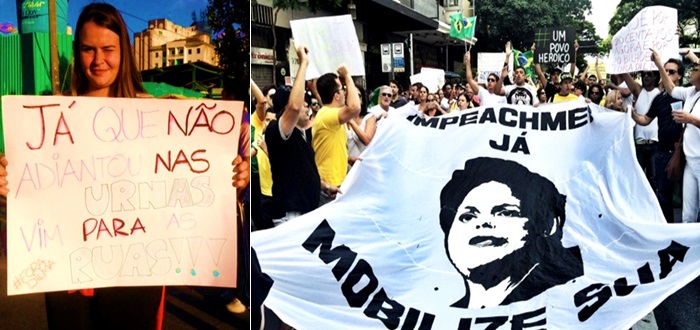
(3,177)
(241,174)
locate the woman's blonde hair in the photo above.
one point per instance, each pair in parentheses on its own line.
(610,100)
(128,81)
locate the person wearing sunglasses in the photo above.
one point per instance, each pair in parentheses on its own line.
(383,106)
(541,95)
(341,103)
(668,132)
(688,117)
(488,96)
(596,94)
(432,106)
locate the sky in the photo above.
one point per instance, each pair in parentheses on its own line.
(602,12)
(136,13)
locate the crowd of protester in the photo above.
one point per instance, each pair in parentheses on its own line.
(320,127)
(330,121)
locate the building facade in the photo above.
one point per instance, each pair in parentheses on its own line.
(165,43)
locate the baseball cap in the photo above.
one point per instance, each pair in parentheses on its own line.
(554,69)
(566,76)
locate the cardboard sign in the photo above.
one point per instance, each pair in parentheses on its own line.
(652,28)
(332,41)
(294,62)
(555,45)
(120,192)
(488,63)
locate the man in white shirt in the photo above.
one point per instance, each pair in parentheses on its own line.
(521,92)
(646,137)
(382,109)
(689,116)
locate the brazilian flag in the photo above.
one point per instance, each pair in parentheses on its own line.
(526,61)
(462,27)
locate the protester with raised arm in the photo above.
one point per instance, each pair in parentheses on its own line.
(690,118)
(341,102)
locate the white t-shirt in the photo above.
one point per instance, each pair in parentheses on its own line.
(378,112)
(651,131)
(691,136)
(445,104)
(521,95)
(487,99)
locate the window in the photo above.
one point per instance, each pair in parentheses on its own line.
(156,54)
(172,51)
(189,51)
(198,51)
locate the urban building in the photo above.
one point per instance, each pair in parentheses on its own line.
(165,43)
(421,26)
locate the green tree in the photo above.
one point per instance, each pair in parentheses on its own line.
(517,20)
(279,5)
(688,18)
(229,20)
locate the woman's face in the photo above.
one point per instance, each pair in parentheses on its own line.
(100,57)
(542,96)
(618,101)
(423,94)
(462,102)
(487,226)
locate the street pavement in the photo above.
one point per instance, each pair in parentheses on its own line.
(185,308)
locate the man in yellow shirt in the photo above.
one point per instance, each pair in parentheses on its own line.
(565,94)
(341,102)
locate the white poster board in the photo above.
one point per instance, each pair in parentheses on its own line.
(652,28)
(120,192)
(293,59)
(428,80)
(488,63)
(332,41)
(438,80)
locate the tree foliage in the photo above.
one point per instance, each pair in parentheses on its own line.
(499,21)
(229,20)
(688,17)
(517,20)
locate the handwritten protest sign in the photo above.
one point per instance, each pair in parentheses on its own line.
(488,63)
(120,192)
(653,27)
(293,60)
(332,41)
(555,45)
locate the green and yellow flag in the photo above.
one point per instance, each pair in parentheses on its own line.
(525,60)
(462,27)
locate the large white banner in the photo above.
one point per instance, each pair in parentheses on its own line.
(652,28)
(332,41)
(526,219)
(120,192)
